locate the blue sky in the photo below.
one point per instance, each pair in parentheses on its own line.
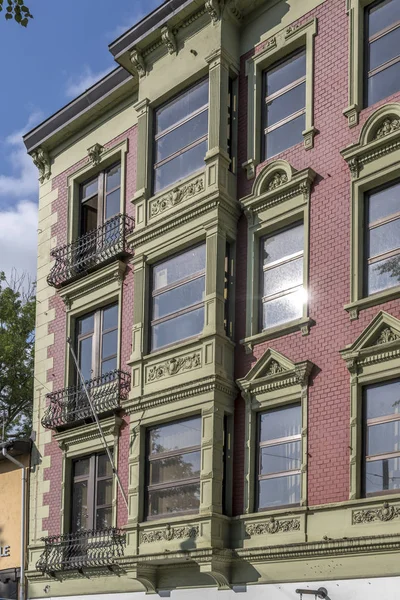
(61,53)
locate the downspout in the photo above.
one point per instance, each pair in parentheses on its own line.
(23,521)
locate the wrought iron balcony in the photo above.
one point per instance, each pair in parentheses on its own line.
(71,406)
(95,248)
(75,551)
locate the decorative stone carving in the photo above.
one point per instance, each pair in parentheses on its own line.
(384,513)
(41,160)
(354,167)
(234,10)
(214,9)
(94,153)
(277,180)
(173,366)
(137,60)
(273,526)
(274,368)
(169,40)
(176,196)
(389,125)
(170,533)
(291,29)
(387,335)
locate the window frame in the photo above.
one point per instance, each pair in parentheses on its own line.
(97,337)
(280,199)
(274,96)
(276,441)
(175,285)
(92,478)
(177,124)
(279,47)
(101,194)
(262,269)
(171,484)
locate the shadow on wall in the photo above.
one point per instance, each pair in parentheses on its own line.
(273,16)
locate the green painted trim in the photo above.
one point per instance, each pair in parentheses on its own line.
(280,197)
(279,46)
(96,162)
(273,381)
(81,441)
(372,358)
(355,11)
(373,161)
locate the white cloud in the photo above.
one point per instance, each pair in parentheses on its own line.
(18,238)
(79,84)
(22,179)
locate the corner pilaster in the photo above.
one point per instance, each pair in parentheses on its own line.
(143,176)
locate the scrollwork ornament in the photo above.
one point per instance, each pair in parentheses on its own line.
(273,526)
(384,513)
(94,154)
(214,9)
(169,40)
(354,167)
(274,368)
(388,126)
(173,366)
(137,60)
(169,534)
(41,160)
(386,336)
(176,196)
(277,180)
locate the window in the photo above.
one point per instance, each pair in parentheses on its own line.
(279,457)
(282,287)
(100,199)
(232,111)
(92,491)
(97,342)
(382,438)
(178,289)
(285,104)
(383,239)
(173,468)
(181,134)
(228,283)
(382,52)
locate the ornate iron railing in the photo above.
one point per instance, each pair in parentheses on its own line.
(71,405)
(90,250)
(75,551)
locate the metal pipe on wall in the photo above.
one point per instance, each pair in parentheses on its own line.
(23,520)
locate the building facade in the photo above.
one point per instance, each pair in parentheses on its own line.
(10,515)
(212,262)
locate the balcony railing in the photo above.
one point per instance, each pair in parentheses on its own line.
(70,405)
(91,250)
(75,551)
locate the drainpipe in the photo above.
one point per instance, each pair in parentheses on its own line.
(23,519)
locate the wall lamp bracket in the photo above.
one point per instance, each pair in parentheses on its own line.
(319,593)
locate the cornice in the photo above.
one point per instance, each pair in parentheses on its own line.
(181,392)
(85,433)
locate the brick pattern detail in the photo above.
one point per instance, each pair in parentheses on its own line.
(329,274)
(58,327)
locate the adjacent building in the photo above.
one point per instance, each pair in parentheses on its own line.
(10,514)
(219,248)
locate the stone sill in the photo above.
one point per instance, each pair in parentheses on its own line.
(302,325)
(379,298)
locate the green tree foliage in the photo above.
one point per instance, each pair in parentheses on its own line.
(17,10)
(17,323)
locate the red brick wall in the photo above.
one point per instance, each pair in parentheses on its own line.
(329,274)
(58,327)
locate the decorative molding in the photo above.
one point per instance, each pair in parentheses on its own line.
(274,368)
(250,167)
(384,513)
(95,154)
(169,534)
(234,11)
(389,125)
(71,439)
(214,10)
(387,335)
(173,366)
(176,196)
(41,160)
(273,526)
(277,180)
(169,40)
(137,61)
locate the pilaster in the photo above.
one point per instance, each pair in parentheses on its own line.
(143,175)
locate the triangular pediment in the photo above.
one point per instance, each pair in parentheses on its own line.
(271,364)
(383,329)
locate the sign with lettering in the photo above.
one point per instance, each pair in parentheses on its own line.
(5,551)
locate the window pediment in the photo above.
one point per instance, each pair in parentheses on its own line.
(277,182)
(379,136)
(379,340)
(273,371)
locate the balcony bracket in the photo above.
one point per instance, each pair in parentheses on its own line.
(219,571)
(146,575)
